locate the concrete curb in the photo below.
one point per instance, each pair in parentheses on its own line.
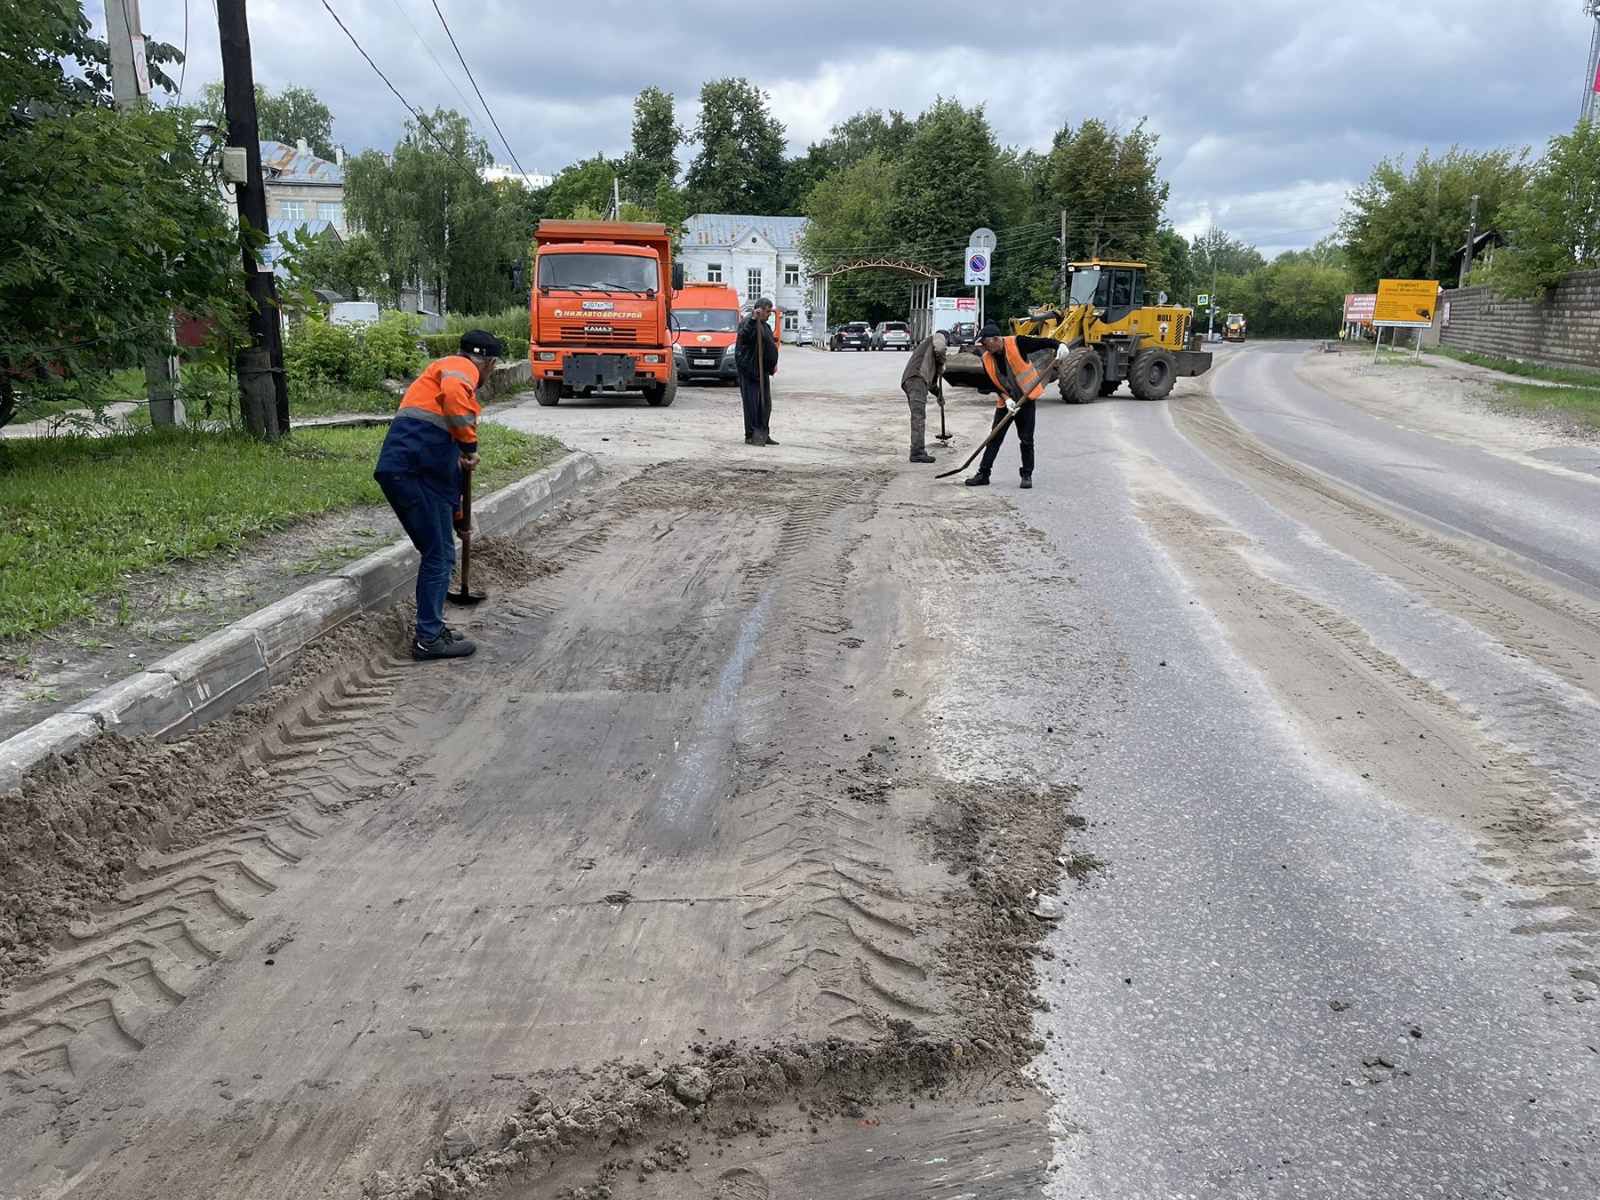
(218,673)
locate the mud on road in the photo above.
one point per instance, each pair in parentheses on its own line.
(658,895)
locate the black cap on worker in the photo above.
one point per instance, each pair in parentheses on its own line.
(989,330)
(482,343)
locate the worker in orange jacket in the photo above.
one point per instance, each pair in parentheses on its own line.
(1017,370)
(431,441)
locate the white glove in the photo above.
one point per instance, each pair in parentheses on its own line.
(1062,351)
(1012,406)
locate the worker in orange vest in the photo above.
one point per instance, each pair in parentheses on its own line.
(1018,368)
(432,440)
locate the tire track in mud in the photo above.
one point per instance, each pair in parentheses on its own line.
(140,957)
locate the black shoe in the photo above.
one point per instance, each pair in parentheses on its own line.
(922,456)
(977,481)
(749,439)
(446,645)
(1027,481)
(769,440)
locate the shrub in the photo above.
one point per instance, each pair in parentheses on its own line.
(319,352)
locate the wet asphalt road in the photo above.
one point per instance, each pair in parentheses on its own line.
(1233,1003)
(1549,518)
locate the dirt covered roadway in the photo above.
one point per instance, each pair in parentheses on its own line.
(679,887)
(1215,819)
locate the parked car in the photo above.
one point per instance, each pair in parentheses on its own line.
(853,335)
(961,335)
(891,335)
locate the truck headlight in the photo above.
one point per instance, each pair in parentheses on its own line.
(652,358)
(547,356)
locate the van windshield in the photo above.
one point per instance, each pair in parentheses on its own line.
(707,320)
(598,272)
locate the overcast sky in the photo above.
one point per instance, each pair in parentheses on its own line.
(1268,110)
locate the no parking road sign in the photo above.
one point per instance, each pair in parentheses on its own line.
(978,265)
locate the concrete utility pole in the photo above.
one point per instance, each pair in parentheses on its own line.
(1063,260)
(130,84)
(1211,309)
(263,391)
(1586,111)
(1472,236)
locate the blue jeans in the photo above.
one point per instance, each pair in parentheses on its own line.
(428,520)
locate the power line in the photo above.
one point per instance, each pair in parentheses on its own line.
(449,78)
(422,121)
(479,91)
(183,68)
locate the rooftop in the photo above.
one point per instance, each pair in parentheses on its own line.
(283,163)
(723,229)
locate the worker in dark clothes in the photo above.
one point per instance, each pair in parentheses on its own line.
(431,441)
(923,374)
(1017,370)
(755,359)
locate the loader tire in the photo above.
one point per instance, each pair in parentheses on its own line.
(1081,374)
(1153,375)
(547,392)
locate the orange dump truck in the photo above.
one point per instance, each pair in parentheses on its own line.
(705,317)
(600,314)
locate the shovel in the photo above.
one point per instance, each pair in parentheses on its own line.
(466,596)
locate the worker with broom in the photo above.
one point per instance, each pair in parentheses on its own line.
(431,444)
(1017,370)
(755,360)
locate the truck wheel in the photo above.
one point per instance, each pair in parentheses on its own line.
(1081,373)
(661,395)
(547,392)
(1153,375)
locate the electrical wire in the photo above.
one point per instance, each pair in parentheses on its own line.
(479,91)
(183,68)
(421,120)
(448,77)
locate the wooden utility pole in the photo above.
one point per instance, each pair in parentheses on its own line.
(130,84)
(1472,236)
(263,391)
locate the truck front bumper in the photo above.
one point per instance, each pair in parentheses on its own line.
(587,370)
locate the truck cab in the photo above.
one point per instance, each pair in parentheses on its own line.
(705,323)
(600,310)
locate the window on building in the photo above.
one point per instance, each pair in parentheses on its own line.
(292,210)
(791,274)
(330,212)
(713,272)
(791,322)
(752,284)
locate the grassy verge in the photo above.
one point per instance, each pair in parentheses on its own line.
(1400,358)
(1581,405)
(78,516)
(1573,376)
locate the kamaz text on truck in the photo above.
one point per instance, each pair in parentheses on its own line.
(705,319)
(601,310)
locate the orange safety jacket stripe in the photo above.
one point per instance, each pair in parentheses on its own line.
(445,394)
(1030,381)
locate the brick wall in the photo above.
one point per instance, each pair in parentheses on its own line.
(1562,329)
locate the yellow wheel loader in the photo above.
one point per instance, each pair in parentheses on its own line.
(1114,336)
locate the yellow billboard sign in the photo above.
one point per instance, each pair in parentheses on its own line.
(1406,303)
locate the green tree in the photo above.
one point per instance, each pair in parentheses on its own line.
(1553,227)
(108,217)
(1172,267)
(1406,224)
(285,116)
(653,159)
(1216,252)
(740,166)
(1108,185)
(847,214)
(585,184)
(434,223)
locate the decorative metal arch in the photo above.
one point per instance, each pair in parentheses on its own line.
(922,292)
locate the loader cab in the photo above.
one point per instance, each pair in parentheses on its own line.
(1115,289)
